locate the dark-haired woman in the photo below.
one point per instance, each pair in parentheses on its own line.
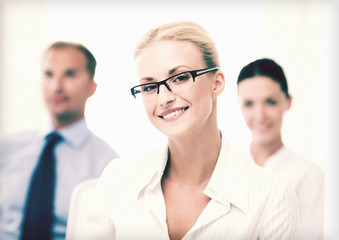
(264,98)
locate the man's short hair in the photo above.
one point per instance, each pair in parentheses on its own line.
(91,62)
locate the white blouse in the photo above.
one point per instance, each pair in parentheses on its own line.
(308,181)
(247,202)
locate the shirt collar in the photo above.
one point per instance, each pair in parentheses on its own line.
(75,134)
(156,162)
(228,183)
(278,154)
(229,180)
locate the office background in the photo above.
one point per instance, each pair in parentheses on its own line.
(302,36)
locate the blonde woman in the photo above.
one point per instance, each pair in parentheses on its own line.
(197,186)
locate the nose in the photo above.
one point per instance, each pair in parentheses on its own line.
(56,84)
(260,113)
(166,95)
(167,86)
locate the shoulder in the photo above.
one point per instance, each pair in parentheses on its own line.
(300,160)
(98,145)
(87,218)
(125,176)
(132,168)
(19,137)
(302,166)
(11,143)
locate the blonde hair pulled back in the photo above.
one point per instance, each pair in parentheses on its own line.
(182,31)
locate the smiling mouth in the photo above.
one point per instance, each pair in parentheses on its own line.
(262,128)
(173,114)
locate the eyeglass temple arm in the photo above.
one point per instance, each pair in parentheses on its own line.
(197,73)
(133,91)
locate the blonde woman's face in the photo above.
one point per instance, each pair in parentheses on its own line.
(263,105)
(176,113)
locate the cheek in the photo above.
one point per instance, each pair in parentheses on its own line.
(277,114)
(77,88)
(201,104)
(149,108)
(200,95)
(247,114)
(44,89)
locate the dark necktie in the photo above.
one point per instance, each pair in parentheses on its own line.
(38,218)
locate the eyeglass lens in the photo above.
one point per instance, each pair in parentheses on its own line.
(175,83)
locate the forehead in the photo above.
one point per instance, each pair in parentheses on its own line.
(161,56)
(258,86)
(67,57)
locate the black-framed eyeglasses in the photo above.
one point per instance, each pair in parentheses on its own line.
(174,82)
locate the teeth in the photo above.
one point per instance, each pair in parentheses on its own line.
(174,114)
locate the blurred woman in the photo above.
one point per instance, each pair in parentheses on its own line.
(264,98)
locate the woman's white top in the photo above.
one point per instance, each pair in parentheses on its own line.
(247,202)
(309,183)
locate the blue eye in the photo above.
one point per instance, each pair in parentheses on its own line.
(48,74)
(248,104)
(70,73)
(181,78)
(271,102)
(148,88)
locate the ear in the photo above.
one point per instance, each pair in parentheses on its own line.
(93,88)
(289,103)
(218,84)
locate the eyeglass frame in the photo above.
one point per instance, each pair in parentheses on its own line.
(194,73)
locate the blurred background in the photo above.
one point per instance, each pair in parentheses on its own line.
(302,36)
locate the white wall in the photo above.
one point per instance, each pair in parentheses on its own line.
(23,39)
(301,36)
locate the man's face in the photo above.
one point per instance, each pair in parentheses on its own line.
(66,84)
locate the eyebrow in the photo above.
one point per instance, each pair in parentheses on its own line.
(148,79)
(173,70)
(73,69)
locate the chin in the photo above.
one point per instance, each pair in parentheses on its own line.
(173,132)
(170,134)
(263,138)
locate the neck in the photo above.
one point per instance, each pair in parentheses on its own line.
(261,151)
(193,158)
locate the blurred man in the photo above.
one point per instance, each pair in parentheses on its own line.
(40,168)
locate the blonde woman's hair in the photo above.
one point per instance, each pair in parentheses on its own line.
(182,31)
